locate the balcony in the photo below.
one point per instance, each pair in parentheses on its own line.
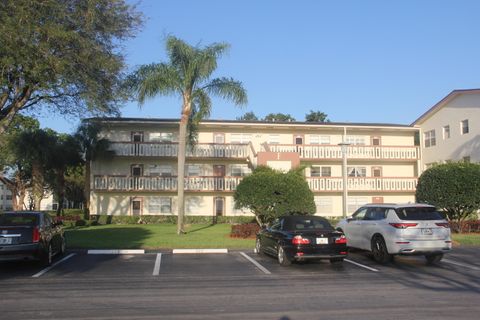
(147,183)
(313,152)
(162,149)
(363,184)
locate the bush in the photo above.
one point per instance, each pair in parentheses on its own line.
(80,223)
(246,230)
(468,226)
(149,219)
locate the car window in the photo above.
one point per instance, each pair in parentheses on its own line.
(275,225)
(418,213)
(18,220)
(360,214)
(307,223)
(47,220)
(375,214)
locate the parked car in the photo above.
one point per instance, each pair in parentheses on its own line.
(394,229)
(30,236)
(300,238)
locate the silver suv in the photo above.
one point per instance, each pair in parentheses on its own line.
(395,229)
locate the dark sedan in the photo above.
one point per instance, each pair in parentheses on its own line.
(30,236)
(301,238)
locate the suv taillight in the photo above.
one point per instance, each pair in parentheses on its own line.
(300,240)
(443,224)
(35,235)
(341,240)
(403,225)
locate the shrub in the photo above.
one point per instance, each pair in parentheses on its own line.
(468,226)
(150,219)
(80,223)
(246,230)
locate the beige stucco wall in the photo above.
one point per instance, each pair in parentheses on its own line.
(462,107)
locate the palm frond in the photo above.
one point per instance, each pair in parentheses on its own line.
(155,79)
(228,88)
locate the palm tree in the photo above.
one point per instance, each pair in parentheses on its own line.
(92,146)
(188,74)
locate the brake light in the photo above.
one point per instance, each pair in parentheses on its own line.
(341,240)
(403,225)
(35,235)
(300,240)
(443,224)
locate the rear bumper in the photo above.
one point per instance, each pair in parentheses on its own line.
(315,253)
(420,247)
(319,256)
(29,251)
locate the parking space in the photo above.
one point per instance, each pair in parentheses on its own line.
(462,264)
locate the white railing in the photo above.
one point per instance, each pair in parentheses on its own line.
(362,184)
(353,152)
(201,150)
(145,183)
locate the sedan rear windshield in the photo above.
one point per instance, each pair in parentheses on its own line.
(418,213)
(12,220)
(303,223)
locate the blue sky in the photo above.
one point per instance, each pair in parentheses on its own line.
(357,61)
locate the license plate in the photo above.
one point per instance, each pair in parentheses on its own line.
(427,231)
(322,240)
(5,240)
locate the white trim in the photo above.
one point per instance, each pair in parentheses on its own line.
(182,251)
(120,251)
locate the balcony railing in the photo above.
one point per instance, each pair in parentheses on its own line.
(146,183)
(363,184)
(162,149)
(353,152)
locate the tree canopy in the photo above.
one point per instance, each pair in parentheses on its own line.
(63,54)
(282,117)
(269,193)
(316,116)
(451,187)
(248,116)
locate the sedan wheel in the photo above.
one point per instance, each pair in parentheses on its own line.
(282,257)
(434,258)
(379,250)
(258,247)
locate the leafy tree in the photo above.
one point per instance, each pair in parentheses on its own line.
(188,74)
(316,116)
(75,185)
(62,54)
(452,187)
(16,172)
(269,194)
(92,146)
(66,153)
(273,117)
(249,116)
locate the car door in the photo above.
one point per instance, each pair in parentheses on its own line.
(352,228)
(270,237)
(370,226)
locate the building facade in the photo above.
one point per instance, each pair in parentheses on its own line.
(383,164)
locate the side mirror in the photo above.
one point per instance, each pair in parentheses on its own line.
(350,218)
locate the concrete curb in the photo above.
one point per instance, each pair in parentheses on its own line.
(184,251)
(116,251)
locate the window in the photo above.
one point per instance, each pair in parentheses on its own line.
(8,197)
(160,205)
(316,139)
(375,214)
(239,170)
(323,205)
(240,137)
(356,140)
(193,170)
(193,205)
(273,139)
(357,171)
(161,137)
(464,127)
(318,171)
(160,170)
(446,132)
(429,138)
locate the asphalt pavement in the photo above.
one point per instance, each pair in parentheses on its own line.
(240,285)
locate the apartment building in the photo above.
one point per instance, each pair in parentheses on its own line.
(451,129)
(5,197)
(383,164)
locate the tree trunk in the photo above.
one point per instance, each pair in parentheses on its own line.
(181,171)
(37,184)
(60,190)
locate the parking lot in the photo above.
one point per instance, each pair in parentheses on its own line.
(240,284)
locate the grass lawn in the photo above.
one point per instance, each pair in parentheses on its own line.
(154,236)
(467,239)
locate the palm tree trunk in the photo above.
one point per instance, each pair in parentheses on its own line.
(181,171)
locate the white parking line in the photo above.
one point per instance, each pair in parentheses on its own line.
(52,266)
(460,264)
(258,265)
(360,265)
(181,251)
(158,261)
(116,251)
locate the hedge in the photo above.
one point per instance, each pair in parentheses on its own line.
(146,219)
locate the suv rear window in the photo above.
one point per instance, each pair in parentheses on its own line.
(11,220)
(418,213)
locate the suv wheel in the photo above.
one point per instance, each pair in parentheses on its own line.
(282,257)
(434,258)
(379,250)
